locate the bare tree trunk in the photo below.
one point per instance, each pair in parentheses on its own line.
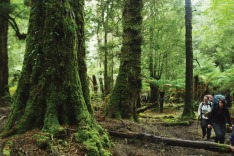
(188,103)
(95,85)
(196,81)
(162,94)
(101,86)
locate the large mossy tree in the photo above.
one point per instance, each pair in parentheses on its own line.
(125,95)
(49,94)
(4,15)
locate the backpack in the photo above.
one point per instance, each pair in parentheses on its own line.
(211,106)
(216,100)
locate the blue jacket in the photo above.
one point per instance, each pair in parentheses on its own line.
(232,137)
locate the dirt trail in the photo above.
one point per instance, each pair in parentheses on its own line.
(24,145)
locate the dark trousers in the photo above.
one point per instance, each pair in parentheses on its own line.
(220,131)
(205,129)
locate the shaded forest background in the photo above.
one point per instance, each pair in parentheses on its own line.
(163,48)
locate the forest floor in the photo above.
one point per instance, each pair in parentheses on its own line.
(150,122)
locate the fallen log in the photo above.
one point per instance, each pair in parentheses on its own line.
(212,146)
(140,110)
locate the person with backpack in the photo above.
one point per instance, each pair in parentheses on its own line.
(219,117)
(203,110)
(232,140)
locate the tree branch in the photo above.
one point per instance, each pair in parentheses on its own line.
(15,27)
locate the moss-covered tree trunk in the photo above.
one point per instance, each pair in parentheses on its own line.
(123,100)
(188,106)
(49,93)
(4,89)
(79,10)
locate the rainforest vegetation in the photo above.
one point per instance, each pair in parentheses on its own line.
(112,77)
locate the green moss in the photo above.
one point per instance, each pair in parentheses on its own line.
(224,147)
(176,123)
(7,148)
(60,132)
(96,141)
(42,141)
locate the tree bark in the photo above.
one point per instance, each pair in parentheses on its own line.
(49,94)
(82,67)
(174,142)
(95,85)
(162,94)
(101,86)
(123,100)
(154,93)
(4,88)
(196,82)
(154,90)
(188,103)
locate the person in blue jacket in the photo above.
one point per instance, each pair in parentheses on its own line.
(219,117)
(232,139)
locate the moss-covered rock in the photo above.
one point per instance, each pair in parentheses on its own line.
(7,148)
(42,141)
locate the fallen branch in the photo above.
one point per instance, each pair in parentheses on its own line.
(140,110)
(224,148)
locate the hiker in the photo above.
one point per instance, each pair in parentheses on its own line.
(217,97)
(203,110)
(232,140)
(219,116)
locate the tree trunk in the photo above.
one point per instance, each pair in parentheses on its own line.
(101,86)
(4,89)
(105,21)
(123,100)
(174,142)
(95,85)
(196,81)
(49,92)
(162,94)
(154,93)
(153,89)
(82,68)
(188,105)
